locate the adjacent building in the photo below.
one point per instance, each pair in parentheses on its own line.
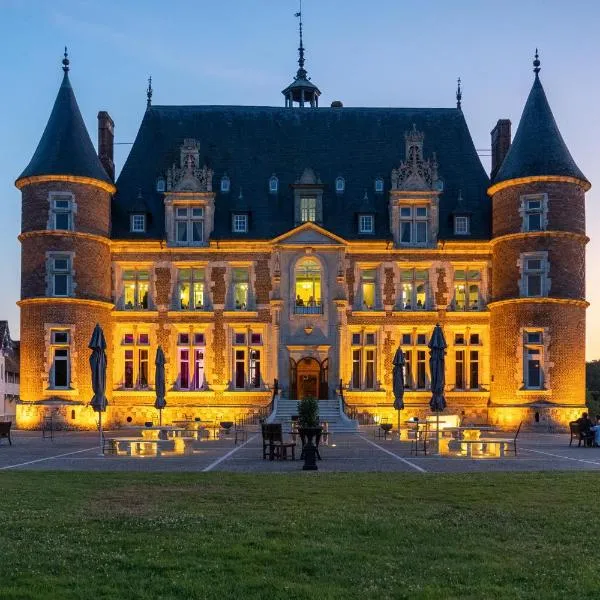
(303,244)
(9,373)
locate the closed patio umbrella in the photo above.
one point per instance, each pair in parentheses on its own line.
(437,350)
(159,384)
(398,382)
(98,367)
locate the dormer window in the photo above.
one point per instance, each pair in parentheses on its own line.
(160,184)
(189,225)
(340,185)
(308,209)
(366,224)
(138,223)
(379,185)
(225,184)
(461,225)
(414,222)
(273,184)
(239,223)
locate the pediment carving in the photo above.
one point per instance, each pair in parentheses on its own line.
(189,176)
(309,177)
(415,173)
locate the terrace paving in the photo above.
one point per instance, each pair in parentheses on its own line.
(347,452)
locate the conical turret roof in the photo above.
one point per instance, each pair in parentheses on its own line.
(65,147)
(538,148)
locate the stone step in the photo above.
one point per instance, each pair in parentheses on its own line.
(329,411)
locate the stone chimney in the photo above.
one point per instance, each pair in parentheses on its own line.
(106,139)
(500,144)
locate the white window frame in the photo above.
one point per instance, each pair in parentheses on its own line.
(54,272)
(234,284)
(69,210)
(526,211)
(533,346)
(239,223)
(161,184)
(308,209)
(62,346)
(193,214)
(414,220)
(362,350)
(192,281)
(527,271)
(138,298)
(225,184)
(340,185)
(379,185)
(410,304)
(467,283)
(363,220)
(138,223)
(273,184)
(462,225)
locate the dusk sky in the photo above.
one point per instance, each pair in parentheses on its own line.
(378,53)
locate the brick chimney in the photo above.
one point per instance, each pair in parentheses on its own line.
(106,139)
(500,144)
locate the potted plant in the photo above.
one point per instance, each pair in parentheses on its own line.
(308,428)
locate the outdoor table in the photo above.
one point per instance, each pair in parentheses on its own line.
(162,432)
(470,433)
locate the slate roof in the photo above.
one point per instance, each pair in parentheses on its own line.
(65,147)
(538,147)
(250,144)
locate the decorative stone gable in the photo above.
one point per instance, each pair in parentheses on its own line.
(415,173)
(189,176)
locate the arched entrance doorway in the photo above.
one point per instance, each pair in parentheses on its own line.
(308,378)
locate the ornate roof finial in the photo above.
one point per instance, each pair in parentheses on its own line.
(65,61)
(536,63)
(458,95)
(301,47)
(149,93)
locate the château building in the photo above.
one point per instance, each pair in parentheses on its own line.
(303,244)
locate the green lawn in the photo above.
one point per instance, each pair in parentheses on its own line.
(138,535)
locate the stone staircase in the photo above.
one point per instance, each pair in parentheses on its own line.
(330,411)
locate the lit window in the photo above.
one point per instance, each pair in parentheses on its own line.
(191,354)
(60,351)
(160,184)
(413,289)
(340,184)
(61,212)
(466,289)
(461,225)
(138,223)
(60,275)
(136,285)
(308,287)
(189,225)
(533,357)
(225,184)
(365,224)
(363,362)
(466,362)
(534,275)
(273,184)
(247,360)
(136,361)
(308,209)
(239,368)
(379,185)
(240,223)
(414,224)
(534,210)
(368,277)
(191,289)
(241,277)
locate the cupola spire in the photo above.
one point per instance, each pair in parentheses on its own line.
(149,93)
(536,63)
(458,95)
(301,91)
(66,61)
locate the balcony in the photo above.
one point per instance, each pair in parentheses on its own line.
(313,307)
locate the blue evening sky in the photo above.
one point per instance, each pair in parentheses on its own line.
(377,53)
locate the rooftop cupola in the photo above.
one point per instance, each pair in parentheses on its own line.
(538,151)
(302,90)
(65,151)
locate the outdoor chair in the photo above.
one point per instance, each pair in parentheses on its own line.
(576,433)
(5,431)
(241,433)
(422,438)
(273,444)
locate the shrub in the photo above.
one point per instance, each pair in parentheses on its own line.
(308,413)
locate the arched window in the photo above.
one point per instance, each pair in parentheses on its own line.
(340,185)
(160,184)
(308,287)
(273,184)
(379,185)
(225,184)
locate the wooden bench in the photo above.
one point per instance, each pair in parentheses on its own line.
(136,446)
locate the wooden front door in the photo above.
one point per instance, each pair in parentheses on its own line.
(308,372)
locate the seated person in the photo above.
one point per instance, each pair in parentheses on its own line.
(585,428)
(299,301)
(596,430)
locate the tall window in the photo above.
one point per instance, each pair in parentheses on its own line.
(136,360)
(239,223)
(414,223)
(466,361)
(415,350)
(366,224)
(61,207)
(533,357)
(273,184)
(364,350)
(534,274)
(191,289)
(241,278)
(340,185)
(247,350)
(534,208)
(308,287)
(225,184)
(189,225)
(308,209)
(60,275)
(191,352)
(138,223)
(60,369)
(379,185)
(466,289)
(136,285)
(461,225)
(368,288)
(414,289)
